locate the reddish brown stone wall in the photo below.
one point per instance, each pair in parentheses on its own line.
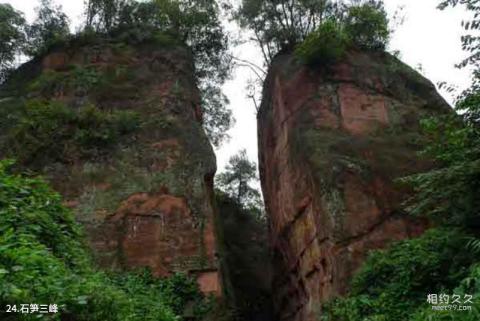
(146,199)
(331,143)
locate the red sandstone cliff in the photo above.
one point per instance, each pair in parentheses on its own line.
(331,142)
(146,199)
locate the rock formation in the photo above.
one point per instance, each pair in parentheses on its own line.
(144,194)
(332,141)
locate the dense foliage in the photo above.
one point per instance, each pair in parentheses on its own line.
(192,23)
(283,25)
(394,284)
(367,25)
(12,37)
(51,26)
(43,260)
(363,26)
(470,286)
(450,193)
(324,45)
(195,23)
(51,131)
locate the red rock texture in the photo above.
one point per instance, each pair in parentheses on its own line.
(331,143)
(146,200)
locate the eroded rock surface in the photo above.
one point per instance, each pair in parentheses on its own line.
(146,199)
(331,143)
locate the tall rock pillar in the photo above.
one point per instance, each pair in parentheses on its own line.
(128,152)
(332,140)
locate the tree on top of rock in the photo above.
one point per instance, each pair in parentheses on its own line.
(282,25)
(194,23)
(50,26)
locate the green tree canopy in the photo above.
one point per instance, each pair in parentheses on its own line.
(12,36)
(280,25)
(236,181)
(50,26)
(44,259)
(324,45)
(102,15)
(393,284)
(367,25)
(197,24)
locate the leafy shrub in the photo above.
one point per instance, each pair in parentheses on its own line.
(449,192)
(50,27)
(470,285)
(43,128)
(176,293)
(78,80)
(364,26)
(96,128)
(43,260)
(326,44)
(367,26)
(53,131)
(393,283)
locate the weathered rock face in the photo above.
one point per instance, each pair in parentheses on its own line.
(331,143)
(145,198)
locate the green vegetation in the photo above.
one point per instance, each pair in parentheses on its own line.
(470,286)
(243,235)
(50,27)
(12,37)
(367,25)
(236,181)
(281,25)
(326,44)
(195,24)
(246,259)
(394,284)
(450,192)
(50,131)
(43,260)
(79,80)
(318,29)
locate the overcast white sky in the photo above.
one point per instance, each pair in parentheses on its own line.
(428,37)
